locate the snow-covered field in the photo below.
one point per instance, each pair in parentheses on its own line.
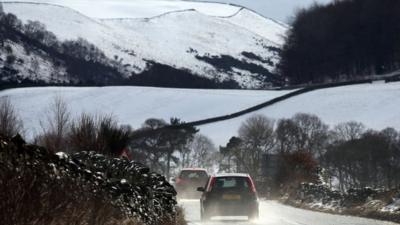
(376,105)
(167,32)
(133,105)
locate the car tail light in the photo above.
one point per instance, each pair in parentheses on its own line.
(253,187)
(211,184)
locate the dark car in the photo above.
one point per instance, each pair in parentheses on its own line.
(229,195)
(188,180)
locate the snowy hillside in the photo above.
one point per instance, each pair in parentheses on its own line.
(31,65)
(375,105)
(220,42)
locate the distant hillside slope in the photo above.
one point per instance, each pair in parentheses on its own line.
(221,48)
(30,55)
(376,105)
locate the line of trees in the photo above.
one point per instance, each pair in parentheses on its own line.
(40,187)
(170,149)
(158,148)
(370,159)
(86,132)
(345,156)
(342,40)
(157,144)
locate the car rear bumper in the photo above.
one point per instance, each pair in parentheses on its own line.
(231,208)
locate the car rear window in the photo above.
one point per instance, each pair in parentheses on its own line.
(193,174)
(222,183)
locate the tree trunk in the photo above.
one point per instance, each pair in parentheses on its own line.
(168,165)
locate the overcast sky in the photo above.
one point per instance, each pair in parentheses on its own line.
(276,9)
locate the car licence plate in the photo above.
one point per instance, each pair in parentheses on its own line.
(231,197)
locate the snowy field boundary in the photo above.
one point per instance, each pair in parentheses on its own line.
(271,102)
(234,114)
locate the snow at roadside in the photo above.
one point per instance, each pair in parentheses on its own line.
(376,105)
(393,207)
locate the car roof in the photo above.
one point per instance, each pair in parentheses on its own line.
(232,175)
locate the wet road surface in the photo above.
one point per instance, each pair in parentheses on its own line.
(274,213)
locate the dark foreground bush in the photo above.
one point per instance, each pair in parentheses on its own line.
(38,187)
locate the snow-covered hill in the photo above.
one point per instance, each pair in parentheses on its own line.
(137,8)
(376,105)
(216,41)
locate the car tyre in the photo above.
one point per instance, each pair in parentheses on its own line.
(204,215)
(254,215)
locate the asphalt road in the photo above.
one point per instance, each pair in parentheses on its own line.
(273,213)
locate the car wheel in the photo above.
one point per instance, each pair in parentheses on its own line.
(204,215)
(254,215)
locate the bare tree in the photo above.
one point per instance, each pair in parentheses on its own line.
(10,124)
(258,132)
(348,131)
(390,165)
(258,138)
(391,134)
(83,133)
(287,135)
(56,126)
(313,133)
(200,153)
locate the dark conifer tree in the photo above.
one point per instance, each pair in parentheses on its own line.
(342,40)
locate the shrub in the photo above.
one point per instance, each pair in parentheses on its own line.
(10,124)
(101,134)
(296,168)
(39,187)
(35,192)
